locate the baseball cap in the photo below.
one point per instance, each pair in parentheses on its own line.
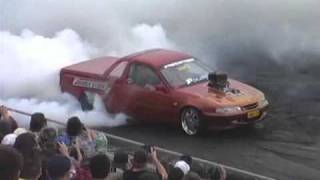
(9,139)
(183,166)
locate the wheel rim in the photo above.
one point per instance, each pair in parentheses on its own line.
(190,121)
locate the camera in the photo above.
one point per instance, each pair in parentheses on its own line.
(147,148)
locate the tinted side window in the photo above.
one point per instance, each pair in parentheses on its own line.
(142,75)
(118,70)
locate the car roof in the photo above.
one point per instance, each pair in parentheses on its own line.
(157,57)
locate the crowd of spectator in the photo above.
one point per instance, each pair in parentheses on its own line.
(40,152)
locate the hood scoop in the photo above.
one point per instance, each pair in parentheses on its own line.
(219,82)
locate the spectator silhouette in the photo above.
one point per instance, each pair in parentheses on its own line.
(119,165)
(139,164)
(192,176)
(5,128)
(76,130)
(37,122)
(28,147)
(59,168)
(175,174)
(5,116)
(100,167)
(11,162)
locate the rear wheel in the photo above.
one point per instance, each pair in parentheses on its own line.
(191,121)
(86,102)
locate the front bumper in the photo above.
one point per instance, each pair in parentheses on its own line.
(215,121)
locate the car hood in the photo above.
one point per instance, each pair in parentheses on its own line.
(246,95)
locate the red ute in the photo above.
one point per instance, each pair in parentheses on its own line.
(165,86)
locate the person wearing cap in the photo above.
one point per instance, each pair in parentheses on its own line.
(9,139)
(139,164)
(19,131)
(183,166)
(186,158)
(59,168)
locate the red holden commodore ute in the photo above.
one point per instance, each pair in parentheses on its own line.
(165,86)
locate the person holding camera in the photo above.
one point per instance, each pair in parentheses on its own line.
(139,169)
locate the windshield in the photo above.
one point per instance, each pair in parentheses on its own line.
(185,72)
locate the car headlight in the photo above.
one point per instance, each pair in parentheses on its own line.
(263,102)
(229,109)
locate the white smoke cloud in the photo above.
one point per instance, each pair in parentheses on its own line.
(29,78)
(30,65)
(63,32)
(142,37)
(61,109)
(200,27)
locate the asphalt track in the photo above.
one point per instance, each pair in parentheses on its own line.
(285,146)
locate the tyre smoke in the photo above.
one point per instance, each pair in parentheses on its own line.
(245,38)
(30,64)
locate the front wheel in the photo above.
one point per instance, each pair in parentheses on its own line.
(191,122)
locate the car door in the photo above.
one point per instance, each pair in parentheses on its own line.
(141,96)
(112,97)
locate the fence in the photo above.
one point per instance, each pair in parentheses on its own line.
(232,172)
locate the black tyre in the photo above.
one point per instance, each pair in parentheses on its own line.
(191,121)
(86,105)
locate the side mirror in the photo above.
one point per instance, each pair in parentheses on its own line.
(162,88)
